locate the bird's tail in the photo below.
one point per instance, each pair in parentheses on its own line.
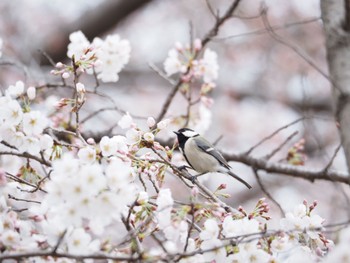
(239,179)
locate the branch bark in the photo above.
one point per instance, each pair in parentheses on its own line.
(93,23)
(335,16)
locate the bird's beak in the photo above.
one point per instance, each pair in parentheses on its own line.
(176,132)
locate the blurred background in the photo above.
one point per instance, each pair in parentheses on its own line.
(263,83)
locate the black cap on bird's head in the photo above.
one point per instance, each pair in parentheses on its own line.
(184,134)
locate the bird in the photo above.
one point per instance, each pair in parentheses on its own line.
(202,156)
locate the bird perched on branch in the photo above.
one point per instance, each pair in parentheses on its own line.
(202,156)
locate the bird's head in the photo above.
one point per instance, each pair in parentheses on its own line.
(184,134)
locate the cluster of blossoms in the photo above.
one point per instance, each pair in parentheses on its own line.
(104,57)
(21,127)
(296,154)
(194,63)
(108,198)
(185,60)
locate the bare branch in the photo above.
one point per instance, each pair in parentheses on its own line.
(273,134)
(295,48)
(266,30)
(212,33)
(289,170)
(266,192)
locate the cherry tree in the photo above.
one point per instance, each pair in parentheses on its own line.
(71,191)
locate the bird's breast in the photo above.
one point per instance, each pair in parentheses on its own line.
(201,161)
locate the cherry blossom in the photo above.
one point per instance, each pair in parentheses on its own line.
(31,93)
(78,45)
(126,121)
(113,54)
(34,122)
(87,155)
(15,90)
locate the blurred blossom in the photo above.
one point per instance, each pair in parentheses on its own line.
(151,121)
(79,242)
(15,90)
(80,87)
(301,254)
(181,60)
(78,45)
(133,136)
(34,122)
(31,93)
(164,206)
(208,67)
(172,64)
(249,252)
(87,155)
(11,111)
(217,255)
(46,142)
(126,121)
(148,136)
(239,227)
(113,54)
(211,230)
(142,198)
(163,124)
(30,145)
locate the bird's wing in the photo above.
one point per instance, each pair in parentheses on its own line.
(210,149)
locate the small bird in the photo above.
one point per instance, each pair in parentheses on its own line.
(202,156)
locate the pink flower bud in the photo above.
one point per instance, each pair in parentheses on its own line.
(179,46)
(31,93)
(3,179)
(222,186)
(90,141)
(59,65)
(197,44)
(194,191)
(151,122)
(80,88)
(65,75)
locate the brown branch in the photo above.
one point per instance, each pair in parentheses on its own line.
(93,23)
(289,170)
(267,193)
(219,22)
(212,33)
(273,134)
(273,152)
(346,23)
(28,156)
(79,258)
(293,47)
(266,30)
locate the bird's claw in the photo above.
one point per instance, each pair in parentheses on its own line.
(182,167)
(193,179)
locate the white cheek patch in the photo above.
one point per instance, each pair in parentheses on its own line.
(190,134)
(210,149)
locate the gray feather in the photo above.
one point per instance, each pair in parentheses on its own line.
(210,149)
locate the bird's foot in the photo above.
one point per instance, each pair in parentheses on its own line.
(183,167)
(193,179)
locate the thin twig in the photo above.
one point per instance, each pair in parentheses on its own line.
(295,48)
(332,158)
(273,134)
(273,152)
(212,33)
(266,192)
(265,30)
